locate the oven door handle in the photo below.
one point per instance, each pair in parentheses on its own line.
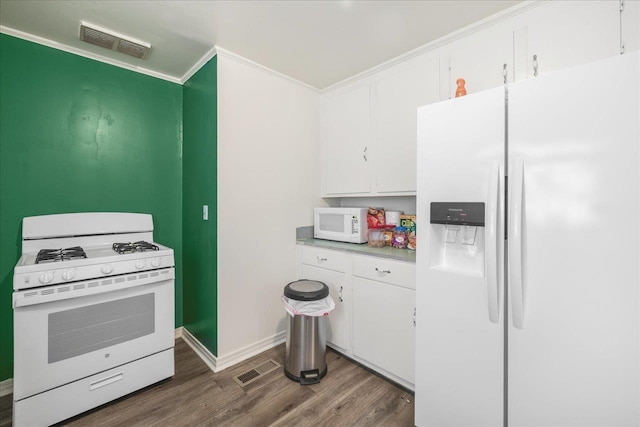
(106,381)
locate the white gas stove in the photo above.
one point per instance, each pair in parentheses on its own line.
(93,313)
(101,266)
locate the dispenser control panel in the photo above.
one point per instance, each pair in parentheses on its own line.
(457,213)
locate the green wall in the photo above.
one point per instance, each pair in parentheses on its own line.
(199,188)
(78,135)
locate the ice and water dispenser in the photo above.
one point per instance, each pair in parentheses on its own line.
(456,241)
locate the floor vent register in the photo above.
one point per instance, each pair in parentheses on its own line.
(253,374)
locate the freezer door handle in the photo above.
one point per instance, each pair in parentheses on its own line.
(492,243)
(516,219)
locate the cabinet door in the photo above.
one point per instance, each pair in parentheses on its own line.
(383,326)
(347,144)
(630,26)
(479,59)
(565,34)
(337,324)
(397,98)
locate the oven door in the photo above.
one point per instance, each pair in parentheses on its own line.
(63,340)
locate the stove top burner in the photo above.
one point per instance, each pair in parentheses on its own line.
(141,246)
(53,255)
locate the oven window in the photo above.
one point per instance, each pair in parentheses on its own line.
(86,329)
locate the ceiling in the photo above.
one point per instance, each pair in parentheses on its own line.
(319,43)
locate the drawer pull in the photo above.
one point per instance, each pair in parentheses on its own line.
(321,258)
(383,271)
(106,381)
(340,295)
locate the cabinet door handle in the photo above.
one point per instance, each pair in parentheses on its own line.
(340,295)
(414,316)
(364,154)
(383,271)
(321,258)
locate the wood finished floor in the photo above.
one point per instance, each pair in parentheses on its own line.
(348,396)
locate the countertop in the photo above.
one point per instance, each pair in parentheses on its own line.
(363,249)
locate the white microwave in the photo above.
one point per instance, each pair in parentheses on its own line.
(341,224)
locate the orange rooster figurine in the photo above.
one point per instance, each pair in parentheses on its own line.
(460,91)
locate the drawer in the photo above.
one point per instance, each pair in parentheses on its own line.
(324,258)
(385,270)
(71,399)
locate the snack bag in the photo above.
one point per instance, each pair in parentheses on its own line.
(409,221)
(375,217)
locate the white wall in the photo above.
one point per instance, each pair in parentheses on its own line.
(406,204)
(268,150)
(268,184)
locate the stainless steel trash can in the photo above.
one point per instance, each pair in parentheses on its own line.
(306,346)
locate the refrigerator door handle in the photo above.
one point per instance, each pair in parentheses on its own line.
(492,243)
(515,244)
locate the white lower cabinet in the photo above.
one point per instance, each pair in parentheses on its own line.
(384,307)
(383,326)
(374,318)
(337,322)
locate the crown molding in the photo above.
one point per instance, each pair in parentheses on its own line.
(217,50)
(201,63)
(446,39)
(241,59)
(86,54)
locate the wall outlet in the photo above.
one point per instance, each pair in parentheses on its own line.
(205,212)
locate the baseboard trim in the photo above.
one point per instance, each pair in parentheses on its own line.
(178,332)
(6,387)
(202,351)
(244,353)
(218,363)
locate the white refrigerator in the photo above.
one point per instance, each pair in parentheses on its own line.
(528,261)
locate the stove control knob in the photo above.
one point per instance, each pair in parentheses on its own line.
(140,264)
(155,262)
(69,274)
(107,269)
(46,277)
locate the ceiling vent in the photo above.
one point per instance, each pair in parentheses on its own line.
(111,40)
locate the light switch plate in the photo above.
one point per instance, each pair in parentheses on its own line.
(205,212)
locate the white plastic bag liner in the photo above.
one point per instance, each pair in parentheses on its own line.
(318,308)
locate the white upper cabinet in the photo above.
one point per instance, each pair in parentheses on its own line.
(562,34)
(369,126)
(369,140)
(397,96)
(479,59)
(347,142)
(630,23)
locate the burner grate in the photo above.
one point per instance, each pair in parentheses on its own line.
(54,255)
(128,248)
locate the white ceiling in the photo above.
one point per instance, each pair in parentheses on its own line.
(316,42)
